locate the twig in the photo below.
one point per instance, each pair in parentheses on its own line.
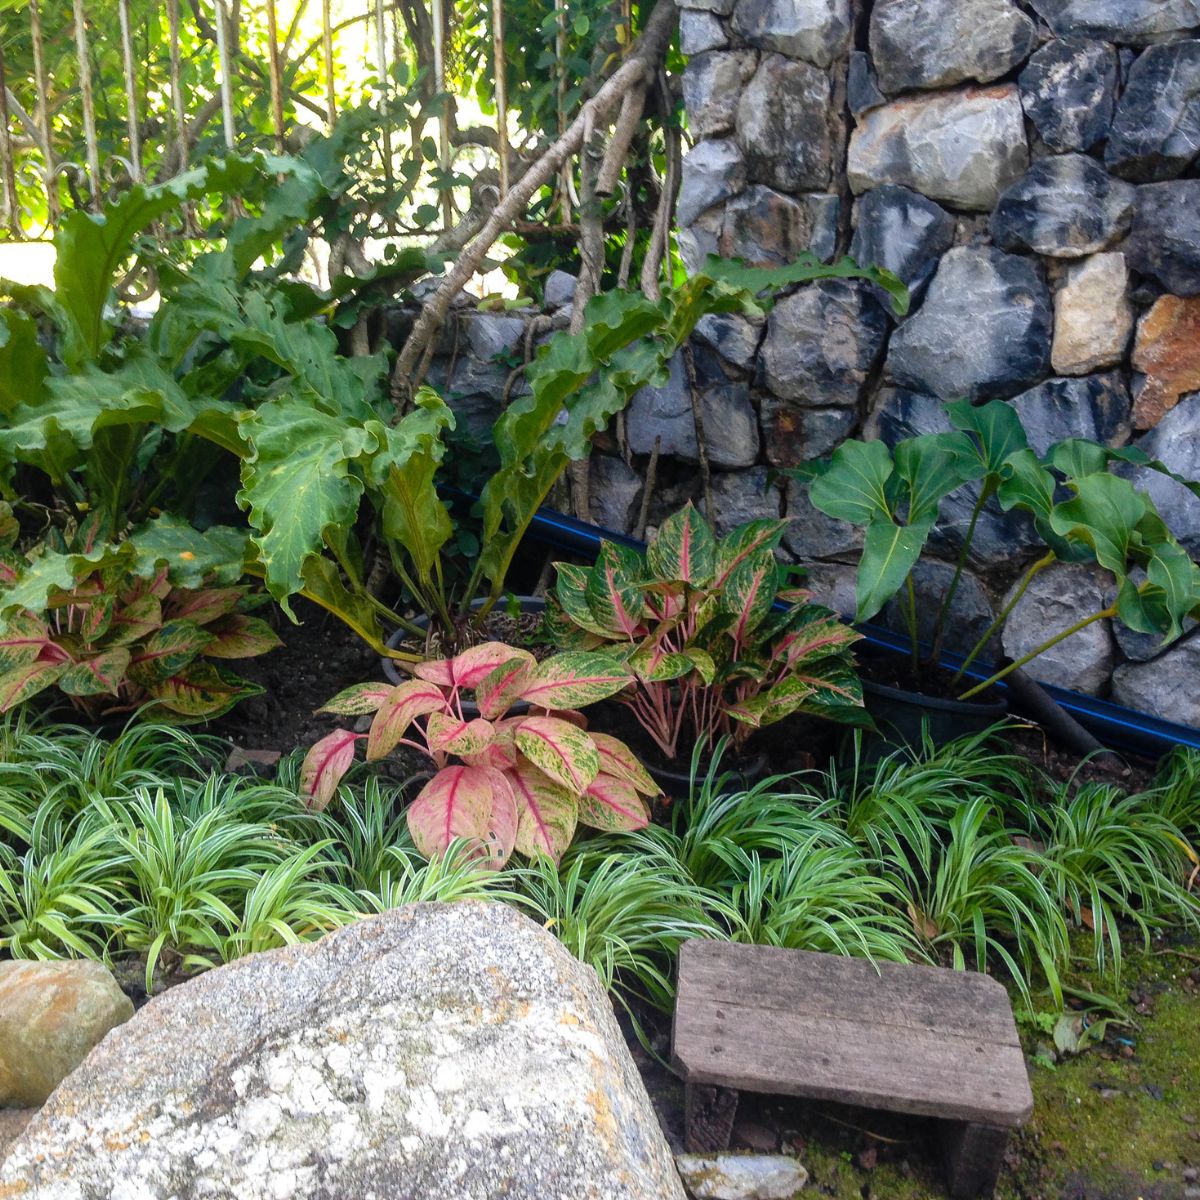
(698,419)
(657,249)
(639,530)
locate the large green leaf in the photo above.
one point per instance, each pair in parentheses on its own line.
(928,468)
(889,553)
(23,365)
(1104,514)
(191,557)
(855,486)
(997,431)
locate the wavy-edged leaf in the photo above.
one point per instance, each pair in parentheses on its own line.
(23,363)
(200,690)
(470,668)
(560,750)
(927,469)
(683,549)
(240,636)
(612,590)
(100,674)
(404,704)
(168,650)
(617,760)
(997,430)
(501,687)
(191,558)
(547,812)
(855,487)
(575,679)
(1104,513)
(614,805)
(450,734)
(49,572)
(324,765)
(358,700)
(22,642)
(22,683)
(1026,484)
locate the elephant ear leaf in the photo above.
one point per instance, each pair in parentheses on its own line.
(889,553)
(23,363)
(996,428)
(856,485)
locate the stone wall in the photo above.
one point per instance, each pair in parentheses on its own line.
(1029,170)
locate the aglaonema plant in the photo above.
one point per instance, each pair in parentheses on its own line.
(1080,509)
(716,641)
(503,781)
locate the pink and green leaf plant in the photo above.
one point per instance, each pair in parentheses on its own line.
(716,642)
(521,775)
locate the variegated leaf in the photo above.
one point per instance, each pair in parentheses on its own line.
(406,702)
(654,664)
(498,690)
(22,641)
(683,550)
(703,662)
(749,593)
(324,765)
(456,803)
(240,636)
(468,669)
(199,690)
(168,650)
(814,633)
(564,632)
(500,752)
(358,700)
(559,749)
(500,839)
(101,674)
(570,590)
(548,813)
(201,605)
(19,684)
(134,620)
(449,734)
(612,591)
(613,805)
(742,542)
(575,679)
(617,760)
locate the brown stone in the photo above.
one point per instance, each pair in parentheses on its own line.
(51,1015)
(1167,352)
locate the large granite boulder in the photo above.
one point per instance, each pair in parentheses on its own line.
(712,84)
(450,1051)
(1165,240)
(935,43)
(1068,90)
(1155,131)
(51,1015)
(817,31)
(1133,22)
(962,147)
(713,170)
(983,331)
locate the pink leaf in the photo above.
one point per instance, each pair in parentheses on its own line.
(472,803)
(617,760)
(613,805)
(407,701)
(451,735)
(325,764)
(575,679)
(470,668)
(497,691)
(559,749)
(358,700)
(548,813)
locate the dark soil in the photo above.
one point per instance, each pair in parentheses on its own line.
(895,670)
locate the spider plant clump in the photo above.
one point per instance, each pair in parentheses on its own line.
(503,782)
(715,642)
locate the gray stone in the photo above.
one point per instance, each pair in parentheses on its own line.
(811,533)
(701,238)
(51,1015)
(970,610)
(1134,22)
(1057,598)
(1092,316)
(700,31)
(817,31)
(962,147)
(826,209)
(1141,647)
(742,1176)
(1155,132)
(12,1124)
(1175,442)
(489,334)
(1165,239)
(1163,688)
(862,88)
(783,125)
(1064,206)
(765,228)
(741,496)
(712,171)
(833,585)
(936,43)
(712,86)
(903,231)
(614,493)
(794,433)
(822,342)
(730,424)
(722,8)
(1095,407)
(1068,91)
(559,289)
(983,331)
(448,1050)
(735,338)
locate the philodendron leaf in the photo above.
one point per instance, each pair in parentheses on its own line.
(23,363)
(683,550)
(889,553)
(997,430)
(1026,484)
(547,812)
(191,557)
(1104,514)
(927,469)
(613,805)
(23,683)
(324,765)
(49,572)
(1170,593)
(855,486)
(575,679)
(560,750)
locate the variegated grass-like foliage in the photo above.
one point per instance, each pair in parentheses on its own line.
(715,641)
(503,783)
(116,643)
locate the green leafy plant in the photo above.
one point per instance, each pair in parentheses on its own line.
(715,641)
(896,496)
(502,782)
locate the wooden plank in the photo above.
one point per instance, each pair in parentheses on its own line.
(708,1117)
(974,1156)
(918,1071)
(954,1004)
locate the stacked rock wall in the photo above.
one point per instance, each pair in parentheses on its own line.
(1030,171)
